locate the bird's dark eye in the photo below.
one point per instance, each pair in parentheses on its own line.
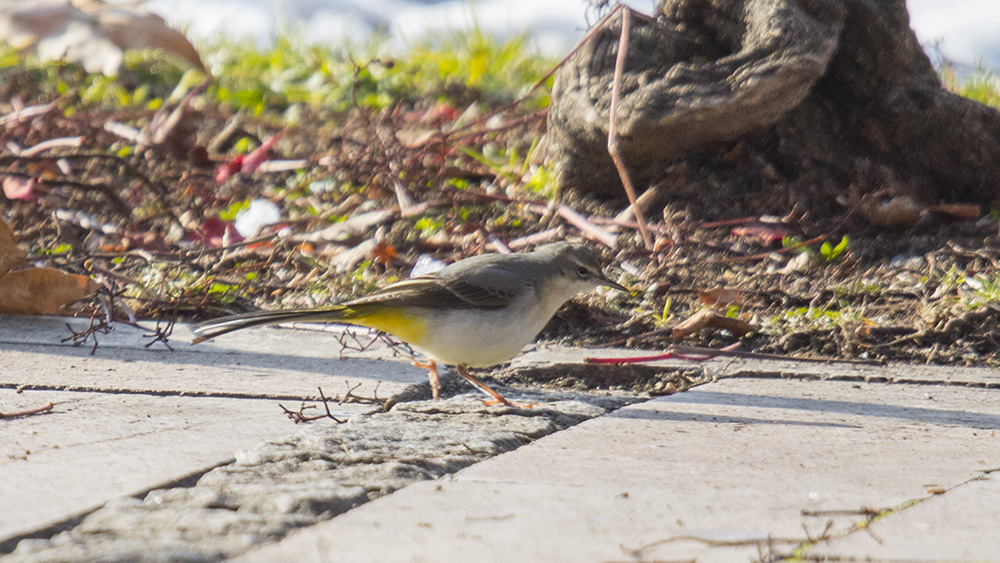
(583,271)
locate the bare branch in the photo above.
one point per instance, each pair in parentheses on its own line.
(613,129)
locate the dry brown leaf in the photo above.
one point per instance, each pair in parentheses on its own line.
(138,30)
(11,255)
(957,211)
(90,32)
(897,213)
(720,296)
(42,291)
(739,327)
(706,318)
(662,244)
(692,324)
(35,291)
(384,253)
(903,212)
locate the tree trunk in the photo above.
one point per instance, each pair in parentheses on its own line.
(818,96)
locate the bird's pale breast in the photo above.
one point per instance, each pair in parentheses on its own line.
(478,338)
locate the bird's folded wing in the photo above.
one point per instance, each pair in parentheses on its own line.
(438,293)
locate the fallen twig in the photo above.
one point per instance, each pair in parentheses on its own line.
(299,416)
(589,229)
(508,124)
(350,397)
(639,553)
(61,142)
(536,239)
(47,407)
(24,113)
(97,325)
(124,165)
(162,334)
(764,255)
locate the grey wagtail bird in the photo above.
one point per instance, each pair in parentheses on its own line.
(477,312)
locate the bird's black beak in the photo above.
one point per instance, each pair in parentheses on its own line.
(608,282)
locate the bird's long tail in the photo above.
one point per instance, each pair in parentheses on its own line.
(224,325)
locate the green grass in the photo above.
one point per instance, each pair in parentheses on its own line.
(827,253)
(981,85)
(459,69)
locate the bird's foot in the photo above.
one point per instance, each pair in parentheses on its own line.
(432,376)
(497,399)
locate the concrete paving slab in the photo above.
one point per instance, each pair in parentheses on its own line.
(317,340)
(95,447)
(303,478)
(561,358)
(962,524)
(728,471)
(228,374)
(721,472)
(130,418)
(264,362)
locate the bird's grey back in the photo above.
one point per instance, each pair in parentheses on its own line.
(489,281)
(519,270)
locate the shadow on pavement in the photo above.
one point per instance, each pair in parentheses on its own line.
(916,414)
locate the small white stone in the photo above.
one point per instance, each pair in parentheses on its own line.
(258,215)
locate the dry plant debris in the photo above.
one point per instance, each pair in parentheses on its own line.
(90,32)
(301,416)
(197,207)
(35,291)
(46,408)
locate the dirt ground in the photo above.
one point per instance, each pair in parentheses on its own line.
(154,226)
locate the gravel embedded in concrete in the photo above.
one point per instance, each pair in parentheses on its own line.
(305,478)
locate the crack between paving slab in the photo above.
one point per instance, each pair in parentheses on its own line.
(750,374)
(873,515)
(138,346)
(451,385)
(306,478)
(8,544)
(413,392)
(406,392)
